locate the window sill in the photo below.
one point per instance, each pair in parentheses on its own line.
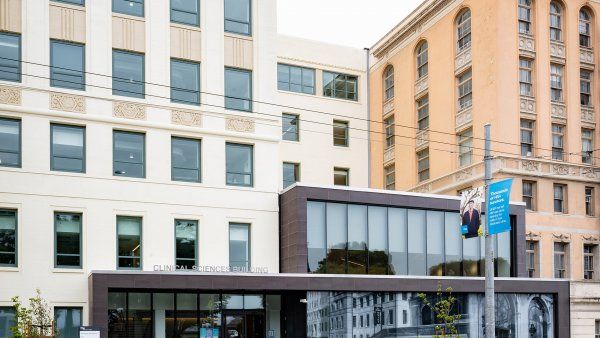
(10,269)
(67,270)
(59,3)
(185,26)
(239,35)
(128,16)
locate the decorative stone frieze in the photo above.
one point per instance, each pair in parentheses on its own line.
(557,50)
(562,237)
(389,155)
(588,115)
(239,124)
(463,60)
(422,138)
(464,118)
(558,110)
(586,56)
(526,45)
(463,175)
(388,107)
(527,105)
(66,102)
(421,86)
(129,110)
(423,189)
(561,169)
(530,165)
(186,118)
(10,95)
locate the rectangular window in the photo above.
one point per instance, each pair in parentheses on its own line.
(295,79)
(560,198)
(529,195)
(8,238)
(186,237)
(404,316)
(129,7)
(423,113)
(560,260)
(239,246)
(585,87)
(423,165)
(589,251)
(72,2)
(10,142)
(67,65)
(531,258)
(185,12)
(465,148)
(340,133)
(238,89)
(67,228)
(390,177)
(587,146)
(558,136)
(390,317)
(185,82)
(67,321)
(556,82)
(526,77)
(238,17)
(239,164)
(185,159)
(341,176)
(525,17)
(465,90)
(389,125)
(129,242)
(341,86)
(598,328)
(67,145)
(589,201)
(291,174)
(10,57)
(128,74)
(555,22)
(527,127)
(129,154)
(7,320)
(290,127)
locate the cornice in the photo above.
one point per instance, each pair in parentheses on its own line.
(320,65)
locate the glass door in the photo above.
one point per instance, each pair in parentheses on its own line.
(244,324)
(235,325)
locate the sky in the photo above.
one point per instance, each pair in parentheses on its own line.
(355,23)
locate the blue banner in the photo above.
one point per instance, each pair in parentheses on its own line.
(498,199)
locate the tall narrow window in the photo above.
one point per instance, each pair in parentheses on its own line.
(465,90)
(239,164)
(291,174)
(290,127)
(587,146)
(341,176)
(340,86)
(185,82)
(129,7)
(128,74)
(340,133)
(556,82)
(560,191)
(526,77)
(589,251)
(422,60)
(10,142)
(67,228)
(558,138)
(531,258)
(238,17)
(185,159)
(389,131)
(67,65)
(597,328)
(463,30)
(585,28)
(185,12)
(8,238)
(238,89)
(560,260)
(423,113)
(529,195)
(186,237)
(129,154)
(390,177)
(525,17)
(295,79)
(555,22)
(585,87)
(388,82)
(68,148)
(423,165)
(465,148)
(589,201)
(239,246)
(67,321)
(527,127)
(129,242)
(10,57)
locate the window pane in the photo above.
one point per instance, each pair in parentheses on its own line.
(435,243)
(10,143)
(378,231)
(504,257)
(139,324)
(67,321)
(471,255)
(128,74)
(238,89)
(416,242)
(337,235)
(290,127)
(357,239)
(290,174)
(186,234)
(315,234)
(10,57)
(67,69)
(7,320)
(453,244)
(187,314)
(129,233)
(185,159)
(8,238)
(295,79)
(128,154)
(397,228)
(239,164)
(239,246)
(68,148)
(68,240)
(185,82)
(74,2)
(237,16)
(340,177)
(130,7)
(340,86)
(117,305)
(340,133)
(185,11)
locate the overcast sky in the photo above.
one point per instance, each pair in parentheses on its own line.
(356,23)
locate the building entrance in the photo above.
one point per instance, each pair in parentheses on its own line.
(243,324)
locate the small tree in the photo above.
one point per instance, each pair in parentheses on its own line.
(35,321)
(443,311)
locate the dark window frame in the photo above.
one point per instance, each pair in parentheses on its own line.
(247,227)
(53,69)
(114,78)
(117,131)
(52,156)
(291,118)
(196,239)
(56,254)
(20,61)
(199,141)
(339,124)
(250,99)
(16,253)
(251,147)
(249,23)
(137,1)
(141,256)
(347,78)
(19,153)
(178,89)
(289,79)
(296,173)
(67,308)
(197,14)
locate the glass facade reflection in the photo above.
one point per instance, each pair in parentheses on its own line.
(360,239)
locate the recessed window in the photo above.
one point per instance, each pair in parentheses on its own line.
(238,89)
(129,242)
(67,240)
(341,86)
(239,246)
(560,195)
(128,74)
(390,177)
(8,238)
(529,191)
(129,7)
(67,321)
(129,154)
(422,60)
(67,148)
(185,159)
(587,146)
(295,79)
(341,176)
(238,17)
(389,125)
(185,12)
(556,82)
(560,260)
(186,237)
(558,138)
(527,127)
(423,165)
(531,259)
(388,82)
(67,65)
(526,77)
(465,148)
(340,133)
(239,164)
(185,82)
(589,201)
(7,320)
(589,264)
(423,113)
(290,127)
(10,143)
(463,31)
(585,28)
(585,87)
(555,22)
(465,90)
(525,17)
(291,173)
(10,57)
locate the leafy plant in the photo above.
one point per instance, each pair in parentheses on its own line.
(35,321)
(443,308)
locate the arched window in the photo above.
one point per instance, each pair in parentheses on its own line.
(388,82)
(555,21)
(463,30)
(525,17)
(537,319)
(422,60)
(585,28)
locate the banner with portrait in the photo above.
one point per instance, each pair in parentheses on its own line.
(470,212)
